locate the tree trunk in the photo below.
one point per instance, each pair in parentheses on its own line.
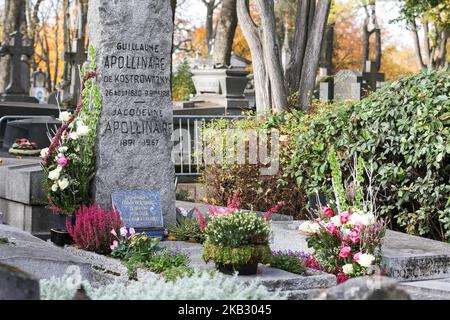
(312,54)
(226,30)
(272,54)
(209,25)
(66,16)
(445,34)
(417,49)
(14,13)
(294,68)
(252,35)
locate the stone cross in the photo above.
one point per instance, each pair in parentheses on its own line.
(16,51)
(371,76)
(76,57)
(133,41)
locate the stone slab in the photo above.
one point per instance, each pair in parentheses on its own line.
(273,279)
(39,258)
(134,139)
(16,284)
(407,257)
(428,290)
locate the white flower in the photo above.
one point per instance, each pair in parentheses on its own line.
(63,184)
(309,228)
(73,135)
(55,187)
(62,149)
(64,116)
(368,219)
(348,269)
(54,174)
(82,129)
(336,221)
(44,152)
(366,260)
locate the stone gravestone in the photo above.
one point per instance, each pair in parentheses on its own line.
(349,85)
(140,209)
(16,284)
(19,83)
(133,41)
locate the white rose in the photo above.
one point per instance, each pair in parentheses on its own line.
(55,187)
(82,130)
(73,135)
(54,174)
(62,149)
(354,219)
(348,269)
(63,184)
(44,152)
(368,219)
(366,260)
(309,228)
(336,221)
(64,116)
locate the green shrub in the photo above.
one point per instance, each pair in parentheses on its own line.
(288,261)
(236,255)
(166,259)
(182,84)
(237,229)
(256,191)
(402,132)
(200,286)
(174,273)
(188,230)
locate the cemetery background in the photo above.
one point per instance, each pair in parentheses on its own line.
(227,92)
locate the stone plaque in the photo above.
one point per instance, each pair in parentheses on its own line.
(133,41)
(139,208)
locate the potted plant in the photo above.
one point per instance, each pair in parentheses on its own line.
(237,242)
(69,162)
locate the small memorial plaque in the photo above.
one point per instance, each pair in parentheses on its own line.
(139,208)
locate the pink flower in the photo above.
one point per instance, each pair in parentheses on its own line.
(114,245)
(345,216)
(356,256)
(114,233)
(273,210)
(62,161)
(341,277)
(331,228)
(132,231)
(344,252)
(327,212)
(201,219)
(354,236)
(123,232)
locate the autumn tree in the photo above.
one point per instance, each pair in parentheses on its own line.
(433,16)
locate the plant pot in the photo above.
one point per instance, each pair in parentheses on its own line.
(242,269)
(59,234)
(60,237)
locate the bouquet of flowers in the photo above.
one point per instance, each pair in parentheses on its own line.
(69,161)
(347,241)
